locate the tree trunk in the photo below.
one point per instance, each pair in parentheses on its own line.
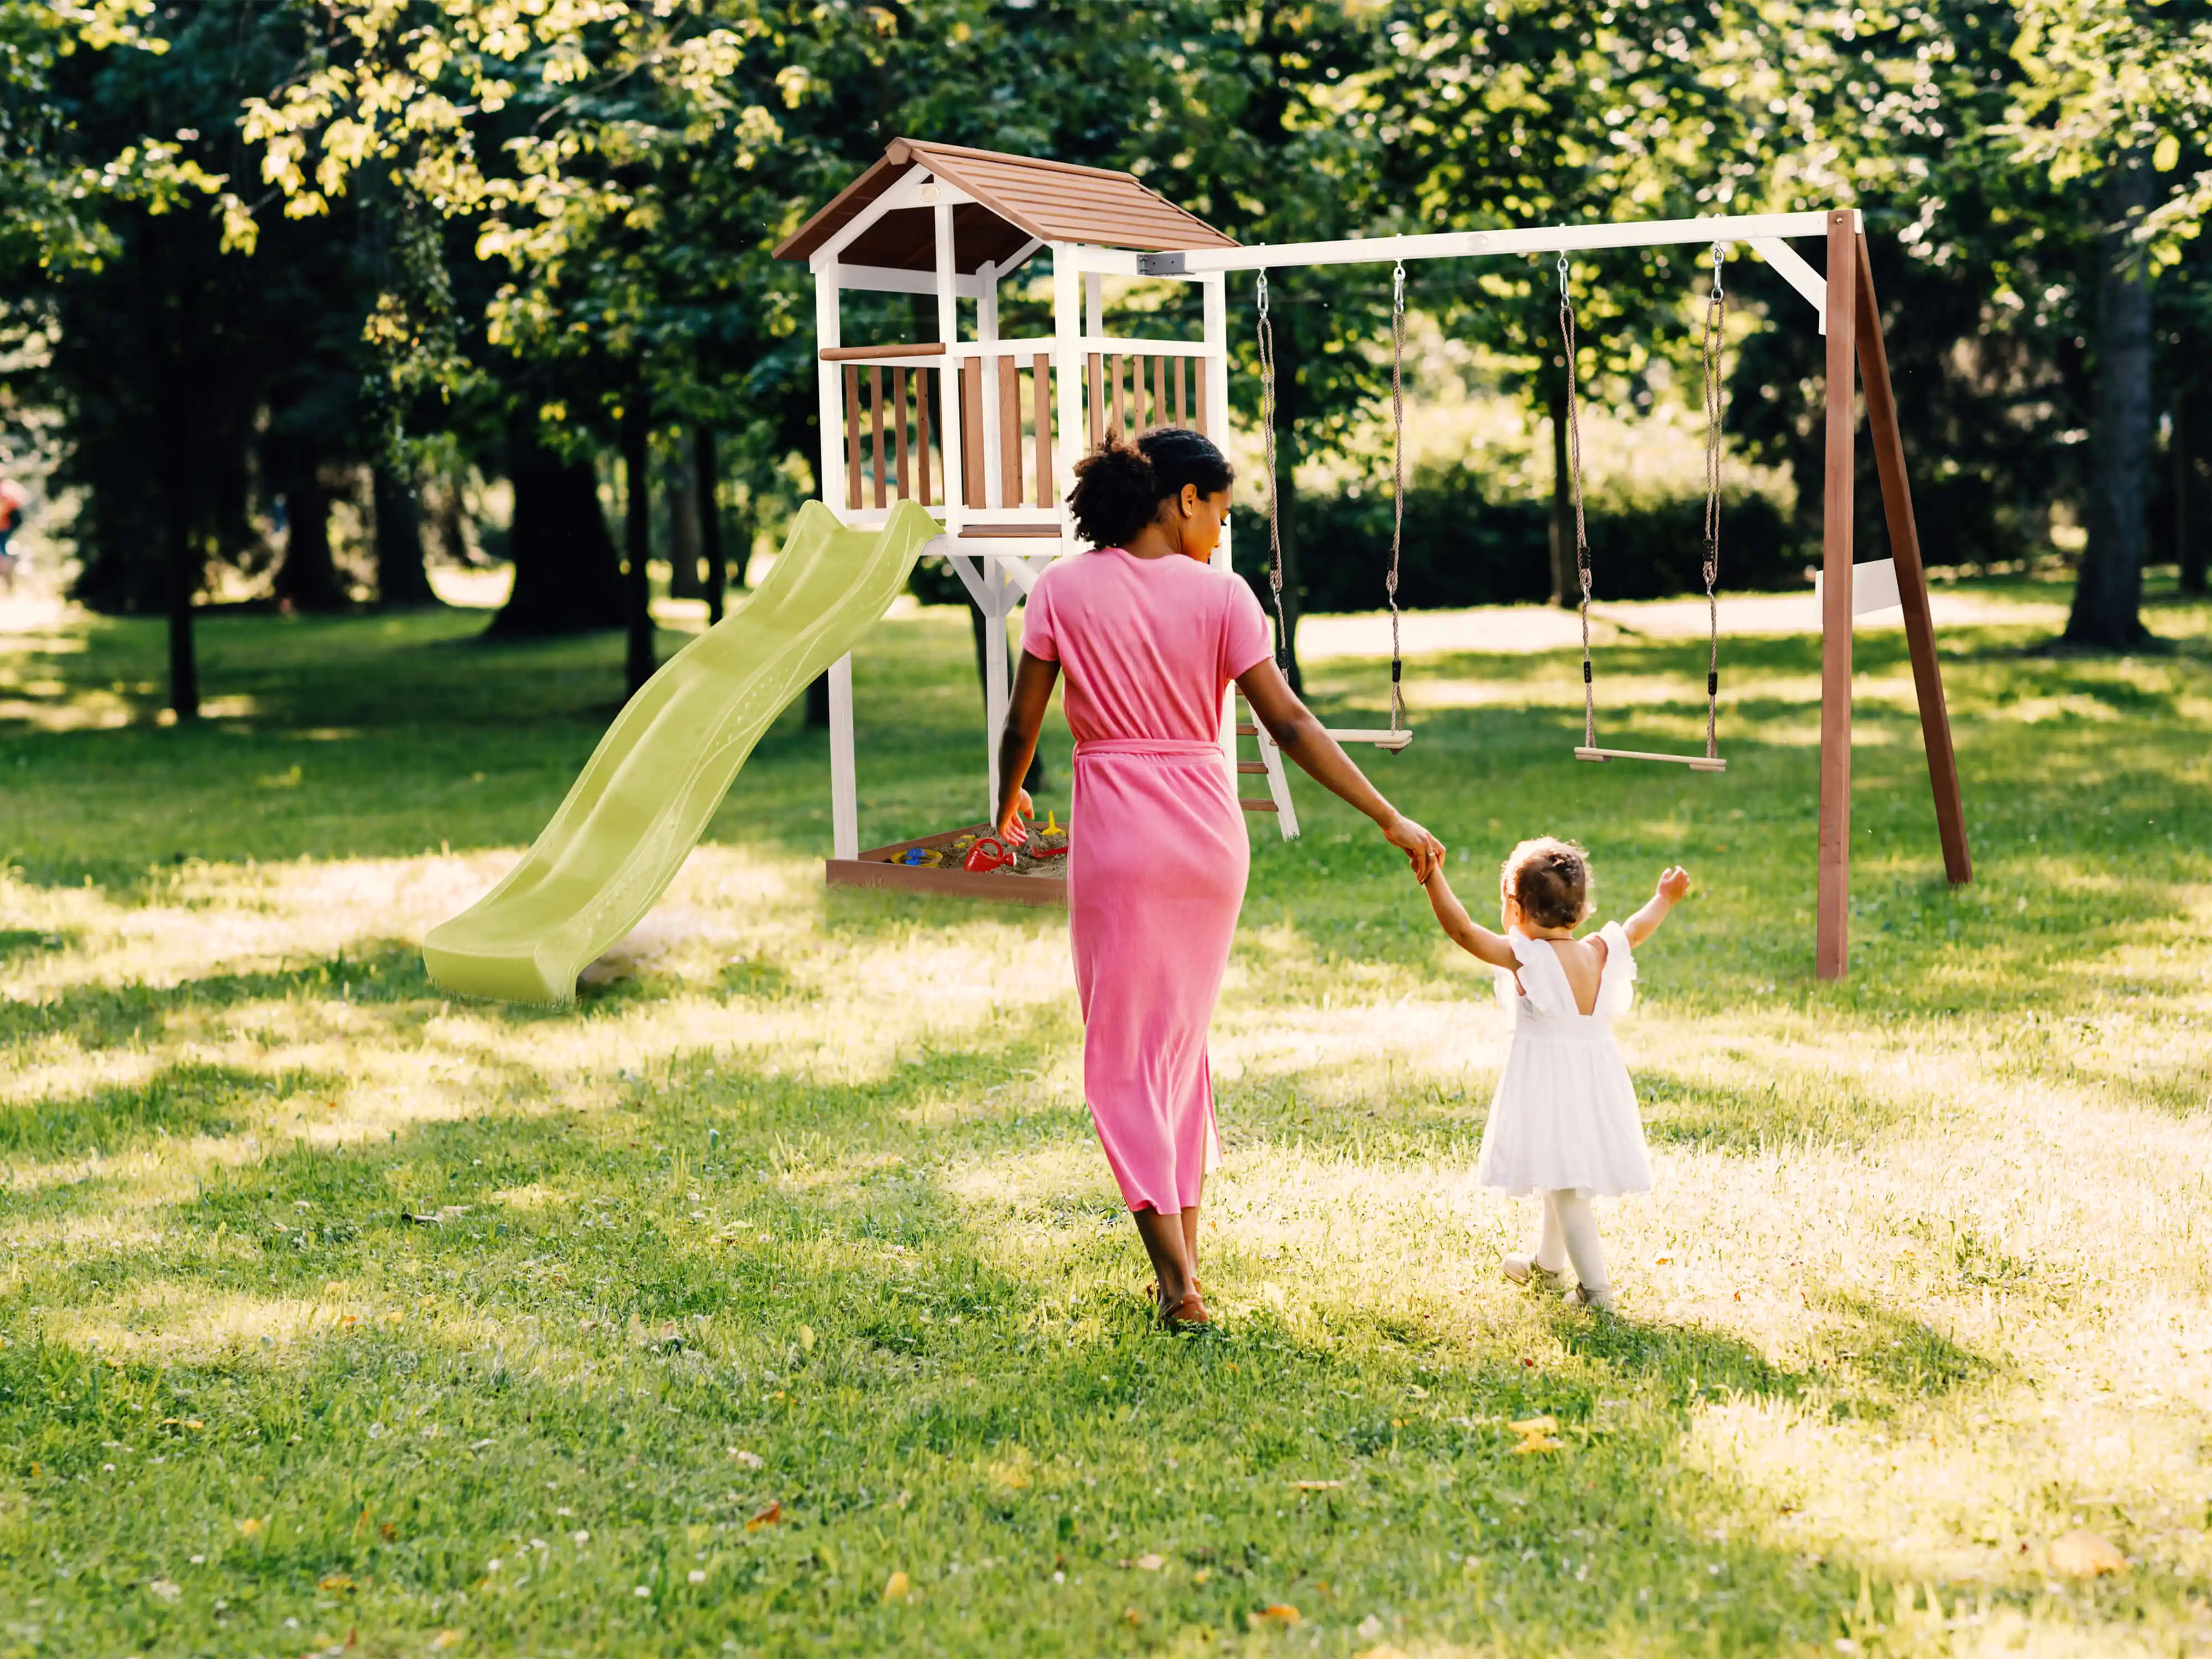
(707,477)
(567,577)
(2188,533)
(308,578)
(401,582)
(1285,485)
(1566,578)
(637,512)
(185,573)
(2108,595)
(681,491)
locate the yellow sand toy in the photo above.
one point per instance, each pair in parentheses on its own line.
(645,796)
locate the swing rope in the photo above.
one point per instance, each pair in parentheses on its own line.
(1275,520)
(1715,329)
(1398,486)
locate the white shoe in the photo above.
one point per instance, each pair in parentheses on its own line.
(1521,1268)
(1603,1300)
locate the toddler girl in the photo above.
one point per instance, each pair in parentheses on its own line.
(1564,1122)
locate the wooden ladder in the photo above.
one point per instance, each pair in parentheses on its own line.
(1270,766)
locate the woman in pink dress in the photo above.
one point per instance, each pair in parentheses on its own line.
(1149,637)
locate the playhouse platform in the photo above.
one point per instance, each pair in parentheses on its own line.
(884,866)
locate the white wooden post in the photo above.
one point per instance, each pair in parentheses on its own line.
(844,783)
(828,335)
(1094,304)
(1002,591)
(948,380)
(1067,371)
(1214,293)
(987,335)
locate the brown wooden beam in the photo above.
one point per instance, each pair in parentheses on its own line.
(1911,579)
(1832,903)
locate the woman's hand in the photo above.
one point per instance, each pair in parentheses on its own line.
(1422,850)
(1010,826)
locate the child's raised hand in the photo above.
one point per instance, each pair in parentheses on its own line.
(1674,883)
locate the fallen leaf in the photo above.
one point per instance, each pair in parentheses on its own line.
(1536,1425)
(447,1638)
(766,1518)
(336,1583)
(806,1338)
(1276,1612)
(1130,1614)
(1146,1564)
(1315,1485)
(897,1586)
(2085,1555)
(251,1526)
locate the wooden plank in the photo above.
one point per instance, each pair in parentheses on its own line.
(1120,429)
(876,429)
(851,437)
(870,353)
(1179,364)
(1044,892)
(898,420)
(1201,402)
(1000,532)
(1160,392)
(1888,441)
(1041,399)
(1010,433)
(1695,762)
(1251,805)
(1094,382)
(971,432)
(921,378)
(1832,902)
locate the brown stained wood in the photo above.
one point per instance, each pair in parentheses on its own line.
(870,353)
(1010,433)
(1041,417)
(851,437)
(1832,905)
(1094,385)
(971,431)
(1199,390)
(1160,392)
(921,378)
(1120,429)
(1888,441)
(898,420)
(1178,390)
(876,429)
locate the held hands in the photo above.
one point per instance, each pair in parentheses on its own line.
(1423,850)
(1010,826)
(1674,883)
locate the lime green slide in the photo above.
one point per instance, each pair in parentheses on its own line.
(645,797)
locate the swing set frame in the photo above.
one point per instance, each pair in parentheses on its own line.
(1843,299)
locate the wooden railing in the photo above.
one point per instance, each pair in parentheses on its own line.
(890,409)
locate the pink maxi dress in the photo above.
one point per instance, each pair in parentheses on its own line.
(1158,857)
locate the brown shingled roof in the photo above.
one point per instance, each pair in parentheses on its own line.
(1017,197)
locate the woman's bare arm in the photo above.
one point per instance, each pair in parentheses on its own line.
(1034,680)
(1470,935)
(1298,734)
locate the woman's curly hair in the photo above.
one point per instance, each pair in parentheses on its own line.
(1551,879)
(1120,485)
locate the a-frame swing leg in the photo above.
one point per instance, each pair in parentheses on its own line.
(1855,343)
(1911,580)
(1832,903)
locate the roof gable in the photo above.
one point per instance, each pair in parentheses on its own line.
(1017,199)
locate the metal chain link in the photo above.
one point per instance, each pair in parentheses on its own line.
(1274,519)
(1575,477)
(1716,320)
(1398,484)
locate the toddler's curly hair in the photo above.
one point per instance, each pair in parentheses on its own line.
(1551,879)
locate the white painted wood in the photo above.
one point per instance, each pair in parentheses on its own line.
(948,331)
(994,674)
(1873,588)
(1789,265)
(917,189)
(1094,302)
(1544,239)
(1067,300)
(986,348)
(844,788)
(829,389)
(879,279)
(1214,292)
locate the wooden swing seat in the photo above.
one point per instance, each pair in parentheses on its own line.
(1381,737)
(1695,762)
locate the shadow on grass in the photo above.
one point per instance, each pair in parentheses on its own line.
(186,1099)
(1806,1105)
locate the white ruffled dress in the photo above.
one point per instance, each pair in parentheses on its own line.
(1564,1114)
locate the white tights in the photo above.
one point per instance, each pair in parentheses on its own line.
(1570,1234)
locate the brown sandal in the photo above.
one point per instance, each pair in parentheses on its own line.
(1187,1315)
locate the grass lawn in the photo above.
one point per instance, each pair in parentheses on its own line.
(777,1299)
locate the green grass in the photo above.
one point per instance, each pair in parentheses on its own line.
(336,1311)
